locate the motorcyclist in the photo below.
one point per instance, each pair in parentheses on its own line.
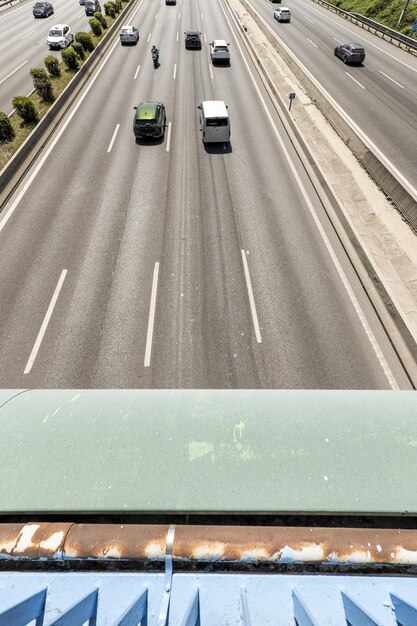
(154,52)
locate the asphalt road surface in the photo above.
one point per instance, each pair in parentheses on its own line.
(171,264)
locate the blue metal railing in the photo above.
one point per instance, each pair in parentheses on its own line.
(206,599)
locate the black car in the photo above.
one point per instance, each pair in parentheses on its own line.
(350,53)
(170,1)
(192,39)
(91,6)
(42,9)
(149,121)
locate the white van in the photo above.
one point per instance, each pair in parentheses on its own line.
(215,122)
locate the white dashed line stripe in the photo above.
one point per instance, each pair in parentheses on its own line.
(354,80)
(251,298)
(175,71)
(168,137)
(151,319)
(32,31)
(116,130)
(11,73)
(391,79)
(136,73)
(312,43)
(45,323)
(149,36)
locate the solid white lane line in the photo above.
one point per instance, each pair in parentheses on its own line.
(372,339)
(168,137)
(354,79)
(11,73)
(251,298)
(175,71)
(32,31)
(151,320)
(136,73)
(312,43)
(45,323)
(116,130)
(149,36)
(308,19)
(389,78)
(19,9)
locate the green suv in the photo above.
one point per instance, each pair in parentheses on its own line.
(149,120)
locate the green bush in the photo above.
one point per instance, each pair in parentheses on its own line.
(85,40)
(79,50)
(42,84)
(25,108)
(70,58)
(95,27)
(52,65)
(100,17)
(7,133)
(109,9)
(118,5)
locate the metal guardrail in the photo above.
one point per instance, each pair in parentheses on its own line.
(376,28)
(6,2)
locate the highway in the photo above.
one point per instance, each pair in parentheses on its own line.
(23,44)
(172,265)
(380,96)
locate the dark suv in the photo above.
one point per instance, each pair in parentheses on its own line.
(350,53)
(192,39)
(91,6)
(149,121)
(42,9)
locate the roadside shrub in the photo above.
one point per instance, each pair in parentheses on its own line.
(95,27)
(85,40)
(79,50)
(100,17)
(70,58)
(109,9)
(42,84)
(7,133)
(52,65)
(25,108)
(118,6)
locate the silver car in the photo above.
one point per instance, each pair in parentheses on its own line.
(129,34)
(282,14)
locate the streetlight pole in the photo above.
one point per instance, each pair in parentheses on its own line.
(403,11)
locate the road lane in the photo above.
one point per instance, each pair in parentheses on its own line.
(111,218)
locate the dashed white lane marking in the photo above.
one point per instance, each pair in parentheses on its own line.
(308,19)
(168,137)
(312,43)
(175,71)
(45,323)
(372,339)
(116,130)
(149,36)
(389,78)
(251,298)
(151,319)
(178,35)
(156,16)
(211,71)
(354,79)
(11,73)
(136,73)
(337,40)
(179,15)
(32,31)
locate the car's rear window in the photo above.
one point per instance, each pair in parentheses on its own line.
(216,121)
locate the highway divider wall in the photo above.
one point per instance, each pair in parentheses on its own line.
(396,190)
(21,160)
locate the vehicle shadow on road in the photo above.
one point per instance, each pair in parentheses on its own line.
(218,148)
(149,142)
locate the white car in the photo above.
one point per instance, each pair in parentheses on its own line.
(129,34)
(60,36)
(219,51)
(283,14)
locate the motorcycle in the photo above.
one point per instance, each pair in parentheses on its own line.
(155,59)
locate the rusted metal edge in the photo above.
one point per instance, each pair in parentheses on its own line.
(207,544)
